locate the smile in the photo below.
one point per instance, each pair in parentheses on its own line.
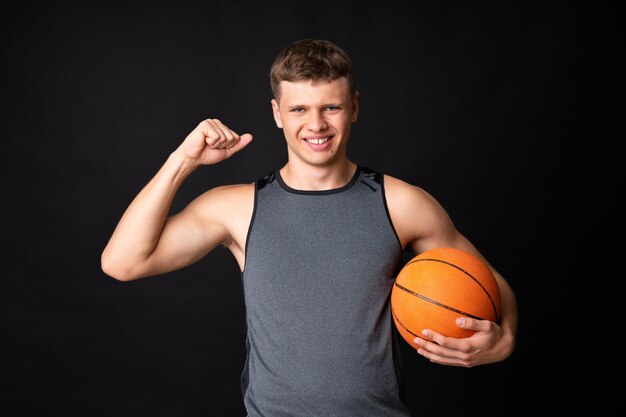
(317,141)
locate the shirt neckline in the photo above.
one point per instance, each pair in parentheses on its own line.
(349,185)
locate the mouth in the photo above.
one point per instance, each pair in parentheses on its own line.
(318,140)
(319,143)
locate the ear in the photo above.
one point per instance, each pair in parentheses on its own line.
(355,107)
(276,111)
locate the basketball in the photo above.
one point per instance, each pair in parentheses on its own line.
(439,285)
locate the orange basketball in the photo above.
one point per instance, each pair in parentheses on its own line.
(439,285)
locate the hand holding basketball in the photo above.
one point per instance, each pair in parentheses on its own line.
(438,287)
(480,348)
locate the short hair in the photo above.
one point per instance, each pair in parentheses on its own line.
(311,59)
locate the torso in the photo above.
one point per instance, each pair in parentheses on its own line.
(318,272)
(402,208)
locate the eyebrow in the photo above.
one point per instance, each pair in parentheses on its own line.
(303,106)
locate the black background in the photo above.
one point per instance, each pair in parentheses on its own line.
(483,104)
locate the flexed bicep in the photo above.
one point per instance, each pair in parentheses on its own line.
(186,237)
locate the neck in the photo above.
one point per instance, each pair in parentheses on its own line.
(301,176)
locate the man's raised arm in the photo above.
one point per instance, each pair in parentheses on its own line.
(147,242)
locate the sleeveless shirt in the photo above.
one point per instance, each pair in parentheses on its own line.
(319,267)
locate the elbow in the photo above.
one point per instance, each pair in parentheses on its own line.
(115,269)
(509,346)
(116,273)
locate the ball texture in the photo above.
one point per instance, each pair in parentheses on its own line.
(439,285)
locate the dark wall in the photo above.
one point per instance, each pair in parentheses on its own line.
(480,104)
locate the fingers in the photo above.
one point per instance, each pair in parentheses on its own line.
(442,344)
(443,356)
(473,324)
(244,140)
(456,354)
(467,352)
(458,344)
(217,135)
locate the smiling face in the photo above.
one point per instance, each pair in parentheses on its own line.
(316,117)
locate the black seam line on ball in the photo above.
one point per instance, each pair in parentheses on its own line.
(430,300)
(493,304)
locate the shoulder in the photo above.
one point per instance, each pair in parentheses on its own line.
(403,194)
(233,190)
(229,194)
(224,200)
(414,212)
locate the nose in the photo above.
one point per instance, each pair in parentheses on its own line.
(316,122)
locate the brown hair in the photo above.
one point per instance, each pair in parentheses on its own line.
(311,59)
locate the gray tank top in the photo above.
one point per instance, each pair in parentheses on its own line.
(318,274)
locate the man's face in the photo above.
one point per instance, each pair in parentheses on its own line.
(316,118)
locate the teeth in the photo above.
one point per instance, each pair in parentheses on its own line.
(317,141)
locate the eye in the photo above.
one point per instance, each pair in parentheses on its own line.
(332,108)
(297,110)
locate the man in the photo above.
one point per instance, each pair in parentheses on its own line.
(318,241)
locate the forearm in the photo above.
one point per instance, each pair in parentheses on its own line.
(138,231)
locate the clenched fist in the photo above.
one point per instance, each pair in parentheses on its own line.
(211,142)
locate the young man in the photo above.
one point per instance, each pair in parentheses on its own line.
(319,242)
